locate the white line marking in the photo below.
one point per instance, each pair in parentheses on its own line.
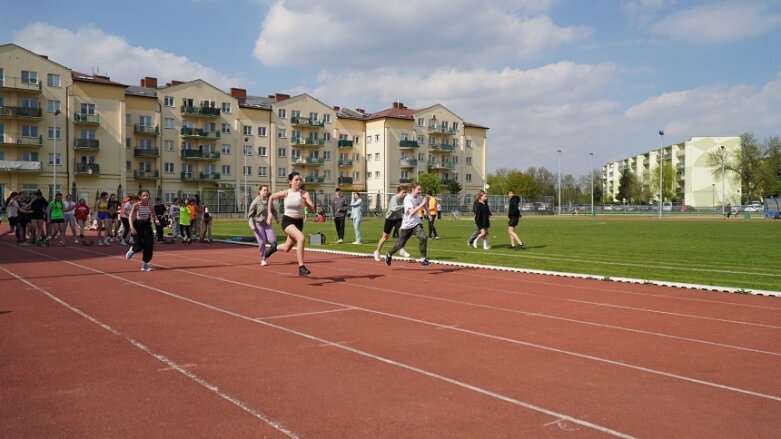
(304,314)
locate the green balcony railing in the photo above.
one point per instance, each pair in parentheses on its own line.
(345,163)
(7,140)
(87,169)
(146,152)
(345,180)
(408,163)
(314,179)
(408,144)
(316,161)
(86,119)
(145,129)
(21,112)
(146,175)
(86,144)
(197,154)
(306,122)
(308,141)
(199,111)
(345,144)
(199,132)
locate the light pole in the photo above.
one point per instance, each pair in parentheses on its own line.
(661,162)
(218,202)
(54,159)
(723,152)
(559,181)
(244,194)
(591,164)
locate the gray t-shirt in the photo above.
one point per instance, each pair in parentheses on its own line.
(339,205)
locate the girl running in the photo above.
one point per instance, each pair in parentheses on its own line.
(141,219)
(295,199)
(258,216)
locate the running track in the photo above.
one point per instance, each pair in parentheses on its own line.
(210,344)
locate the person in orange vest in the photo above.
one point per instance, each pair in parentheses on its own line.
(431,210)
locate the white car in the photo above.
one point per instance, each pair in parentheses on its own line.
(752,209)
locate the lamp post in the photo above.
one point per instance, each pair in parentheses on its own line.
(591,164)
(54,159)
(559,181)
(218,202)
(723,152)
(244,194)
(661,162)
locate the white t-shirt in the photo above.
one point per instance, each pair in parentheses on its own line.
(409,221)
(294,204)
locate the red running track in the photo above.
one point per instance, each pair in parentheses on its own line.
(211,344)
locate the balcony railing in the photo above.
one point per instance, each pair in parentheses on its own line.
(200,111)
(21,112)
(309,161)
(146,152)
(345,180)
(146,129)
(197,154)
(306,122)
(408,144)
(17,84)
(443,147)
(408,163)
(7,140)
(440,131)
(87,169)
(146,175)
(86,119)
(433,166)
(199,132)
(86,144)
(345,163)
(301,141)
(314,179)
(405,180)
(200,176)
(20,166)
(345,144)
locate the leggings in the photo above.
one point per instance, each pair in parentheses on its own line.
(185,230)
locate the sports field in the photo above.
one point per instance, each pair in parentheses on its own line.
(737,253)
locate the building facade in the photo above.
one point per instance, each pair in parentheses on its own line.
(694,182)
(72,132)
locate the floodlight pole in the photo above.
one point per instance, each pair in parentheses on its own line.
(559,180)
(723,152)
(591,171)
(54,159)
(661,162)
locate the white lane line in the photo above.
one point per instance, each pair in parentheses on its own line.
(337,345)
(304,314)
(162,358)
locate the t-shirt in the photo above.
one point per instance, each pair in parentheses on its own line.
(294,204)
(409,221)
(55,210)
(184,215)
(82,212)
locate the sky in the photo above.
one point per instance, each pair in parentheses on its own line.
(585,77)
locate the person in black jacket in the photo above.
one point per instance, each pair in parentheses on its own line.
(514,215)
(482,221)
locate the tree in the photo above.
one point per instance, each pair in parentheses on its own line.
(748,165)
(669,184)
(625,185)
(771,167)
(454,187)
(429,182)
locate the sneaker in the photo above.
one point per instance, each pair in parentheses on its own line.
(377,256)
(356,242)
(425,262)
(129,254)
(486,246)
(75,241)
(468,243)
(388,259)
(339,241)
(436,237)
(146,267)
(107,243)
(404,253)
(101,242)
(474,244)
(123,242)
(271,250)
(303,271)
(520,247)
(264,263)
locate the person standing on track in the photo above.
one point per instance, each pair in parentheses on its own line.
(141,219)
(293,218)
(258,216)
(411,224)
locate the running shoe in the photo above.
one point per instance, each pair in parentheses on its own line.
(129,254)
(377,256)
(303,271)
(425,262)
(146,267)
(271,249)
(388,259)
(264,263)
(404,253)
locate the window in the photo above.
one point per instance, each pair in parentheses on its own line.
(168,168)
(262,131)
(29,131)
(326,155)
(421,122)
(368,157)
(282,113)
(168,101)
(53,106)
(327,118)
(145,121)
(168,122)
(51,159)
(455,159)
(262,152)
(368,139)
(422,140)
(468,143)
(169,197)
(226,169)
(262,171)
(376,137)
(455,126)
(145,143)
(247,130)
(282,133)
(468,178)
(377,156)
(421,156)
(281,172)
(226,107)
(313,116)
(54,133)
(168,145)
(226,148)
(29,103)
(356,157)
(327,137)
(357,140)
(53,80)
(247,150)
(29,77)
(128,119)
(469,160)
(29,156)
(128,165)
(2,155)
(226,128)
(281,152)
(357,176)
(88,109)
(377,174)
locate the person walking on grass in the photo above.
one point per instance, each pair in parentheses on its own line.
(514,216)
(141,219)
(411,224)
(482,221)
(476,232)
(356,214)
(257,217)
(393,221)
(294,201)
(339,206)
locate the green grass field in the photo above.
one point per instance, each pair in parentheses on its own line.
(738,253)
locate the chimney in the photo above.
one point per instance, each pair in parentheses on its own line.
(149,82)
(337,108)
(238,93)
(173,83)
(281,97)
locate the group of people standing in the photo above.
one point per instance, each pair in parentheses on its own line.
(35,221)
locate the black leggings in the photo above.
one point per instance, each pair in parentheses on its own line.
(144,239)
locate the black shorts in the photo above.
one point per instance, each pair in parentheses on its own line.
(513,221)
(58,221)
(391,224)
(13,221)
(298,222)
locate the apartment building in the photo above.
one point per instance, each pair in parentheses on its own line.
(694,182)
(68,131)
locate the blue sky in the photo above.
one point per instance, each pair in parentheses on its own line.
(582,76)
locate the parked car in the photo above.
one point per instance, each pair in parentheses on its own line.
(753,208)
(685,208)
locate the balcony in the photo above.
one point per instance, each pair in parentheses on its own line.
(91,144)
(405,180)
(199,133)
(344,163)
(146,175)
(440,131)
(20,166)
(20,113)
(146,152)
(444,147)
(408,163)
(408,144)
(437,166)
(146,130)
(197,154)
(314,179)
(309,141)
(86,119)
(200,176)
(35,142)
(207,112)
(345,180)
(306,122)
(345,144)
(87,169)
(309,161)
(18,85)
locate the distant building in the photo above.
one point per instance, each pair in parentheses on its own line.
(695,183)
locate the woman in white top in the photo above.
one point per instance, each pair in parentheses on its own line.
(69,215)
(295,199)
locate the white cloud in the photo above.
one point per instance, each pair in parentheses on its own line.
(719,22)
(89,48)
(462,33)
